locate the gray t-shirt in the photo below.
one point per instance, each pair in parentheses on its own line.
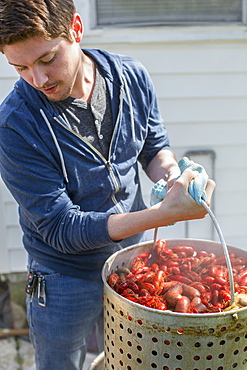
(92,121)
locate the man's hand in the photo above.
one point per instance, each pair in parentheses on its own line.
(178,205)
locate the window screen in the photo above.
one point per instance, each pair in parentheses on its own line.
(119,12)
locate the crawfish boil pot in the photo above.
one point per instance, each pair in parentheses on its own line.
(138,337)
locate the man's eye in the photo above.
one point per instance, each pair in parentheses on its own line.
(20,69)
(49,61)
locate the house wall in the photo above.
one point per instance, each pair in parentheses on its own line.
(200,76)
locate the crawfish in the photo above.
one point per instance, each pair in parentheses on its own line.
(159,281)
(241,277)
(148,286)
(139,261)
(114,280)
(188,251)
(162,252)
(180,279)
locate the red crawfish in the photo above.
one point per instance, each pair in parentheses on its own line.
(180,279)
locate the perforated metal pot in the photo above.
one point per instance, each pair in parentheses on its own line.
(138,337)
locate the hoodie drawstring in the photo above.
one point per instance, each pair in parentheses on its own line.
(56,144)
(126,88)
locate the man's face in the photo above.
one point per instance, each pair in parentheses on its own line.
(51,66)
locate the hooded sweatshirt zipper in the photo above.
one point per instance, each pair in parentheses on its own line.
(107,162)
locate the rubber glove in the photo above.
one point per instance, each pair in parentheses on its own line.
(196,187)
(158,192)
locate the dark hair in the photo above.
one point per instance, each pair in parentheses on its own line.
(23,19)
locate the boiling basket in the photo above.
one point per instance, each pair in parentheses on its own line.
(138,337)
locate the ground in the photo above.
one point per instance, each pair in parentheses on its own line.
(16,351)
(17,354)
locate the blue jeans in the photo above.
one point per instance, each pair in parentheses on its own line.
(60,330)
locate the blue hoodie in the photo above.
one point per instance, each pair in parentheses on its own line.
(65,188)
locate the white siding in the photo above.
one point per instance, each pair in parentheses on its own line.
(13,256)
(201,84)
(200,76)
(8,77)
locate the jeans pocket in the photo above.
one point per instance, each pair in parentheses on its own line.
(40,269)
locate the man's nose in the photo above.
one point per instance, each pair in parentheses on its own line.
(39,78)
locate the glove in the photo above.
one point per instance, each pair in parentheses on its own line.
(158,192)
(196,187)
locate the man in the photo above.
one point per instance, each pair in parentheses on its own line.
(72,131)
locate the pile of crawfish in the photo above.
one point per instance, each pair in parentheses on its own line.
(180,279)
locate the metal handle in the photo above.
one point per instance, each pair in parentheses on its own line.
(155,236)
(225,250)
(224,246)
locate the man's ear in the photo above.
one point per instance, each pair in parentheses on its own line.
(77,27)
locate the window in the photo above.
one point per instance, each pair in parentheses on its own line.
(177,12)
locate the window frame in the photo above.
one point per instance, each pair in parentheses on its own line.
(94,22)
(244,12)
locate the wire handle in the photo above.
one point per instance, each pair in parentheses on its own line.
(225,250)
(155,236)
